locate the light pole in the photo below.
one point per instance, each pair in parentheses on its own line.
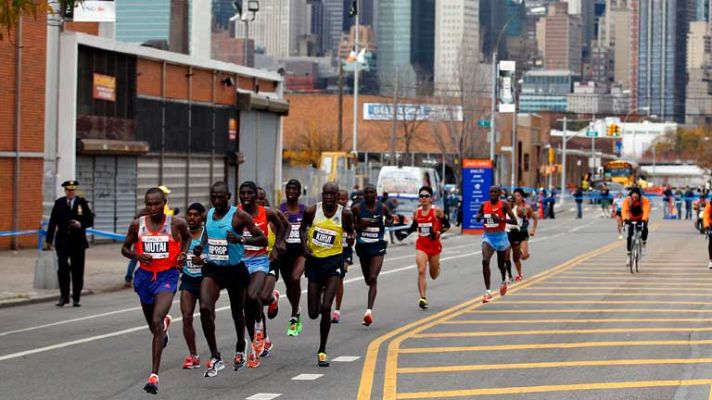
(253,6)
(356,76)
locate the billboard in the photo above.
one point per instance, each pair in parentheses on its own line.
(411,112)
(95,11)
(506,100)
(476,181)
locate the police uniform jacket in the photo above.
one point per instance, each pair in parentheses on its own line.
(59,230)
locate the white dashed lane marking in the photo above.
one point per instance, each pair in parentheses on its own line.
(307,377)
(346,359)
(263,396)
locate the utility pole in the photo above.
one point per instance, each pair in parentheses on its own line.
(340,130)
(494,106)
(394,128)
(356,73)
(563,161)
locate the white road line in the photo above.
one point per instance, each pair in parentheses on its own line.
(263,396)
(346,359)
(143,327)
(307,377)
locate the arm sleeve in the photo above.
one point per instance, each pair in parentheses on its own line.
(445,223)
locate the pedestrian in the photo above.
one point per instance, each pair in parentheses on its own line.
(391,204)
(689,195)
(605,201)
(66,233)
(551,201)
(678,203)
(578,197)
(667,202)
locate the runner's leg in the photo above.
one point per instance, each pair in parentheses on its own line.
(325,325)
(293,282)
(487,252)
(253,306)
(500,264)
(187,308)
(434,263)
(209,293)
(375,264)
(161,306)
(508,263)
(237,307)
(518,255)
(524,249)
(421,259)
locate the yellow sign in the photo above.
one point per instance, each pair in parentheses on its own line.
(104,87)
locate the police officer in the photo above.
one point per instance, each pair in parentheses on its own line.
(67,224)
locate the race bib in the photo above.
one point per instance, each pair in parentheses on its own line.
(246,234)
(155,246)
(489,222)
(371,234)
(324,237)
(293,237)
(192,269)
(217,249)
(425,228)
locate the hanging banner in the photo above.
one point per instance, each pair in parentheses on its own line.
(95,11)
(104,87)
(476,182)
(506,100)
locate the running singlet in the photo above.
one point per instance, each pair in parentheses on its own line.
(271,239)
(618,201)
(256,253)
(325,235)
(219,251)
(374,232)
(160,245)
(427,223)
(295,220)
(195,271)
(522,222)
(490,209)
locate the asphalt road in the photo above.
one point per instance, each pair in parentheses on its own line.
(101,351)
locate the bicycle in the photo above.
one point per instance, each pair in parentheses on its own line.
(636,247)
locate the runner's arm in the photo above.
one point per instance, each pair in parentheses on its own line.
(388,216)
(348,224)
(127,249)
(185,239)
(444,221)
(481,213)
(243,221)
(307,220)
(510,214)
(279,222)
(413,227)
(707,217)
(535,219)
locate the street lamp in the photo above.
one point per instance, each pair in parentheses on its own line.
(253,6)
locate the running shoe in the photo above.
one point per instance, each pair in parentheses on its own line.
(323,360)
(273,307)
(709,265)
(423,303)
(191,362)
(254,361)
(166,324)
(487,297)
(299,324)
(292,330)
(268,348)
(518,278)
(503,289)
(214,365)
(335,317)
(367,319)
(239,361)
(620,237)
(151,385)
(259,343)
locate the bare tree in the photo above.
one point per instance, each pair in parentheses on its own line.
(458,135)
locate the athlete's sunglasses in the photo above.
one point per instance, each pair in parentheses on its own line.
(424,196)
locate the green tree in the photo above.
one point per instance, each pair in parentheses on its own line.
(12,10)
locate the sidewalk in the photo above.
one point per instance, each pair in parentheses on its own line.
(104,272)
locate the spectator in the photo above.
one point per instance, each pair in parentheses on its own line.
(667,201)
(689,194)
(391,203)
(551,200)
(605,201)
(67,234)
(578,197)
(678,203)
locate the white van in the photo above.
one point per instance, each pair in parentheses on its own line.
(403,183)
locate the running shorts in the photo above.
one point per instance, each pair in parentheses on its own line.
(497,240)
(191,284)
(517,236)
(429,246)
(257,264)
(368,250)
(227,276)
(148,284)
(286,262)
(274,267)
(318,270)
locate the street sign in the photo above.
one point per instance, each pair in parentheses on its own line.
(591,133)
(485,123)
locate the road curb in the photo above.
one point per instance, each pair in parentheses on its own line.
(41,299)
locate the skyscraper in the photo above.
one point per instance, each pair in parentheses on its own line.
(280,27)
(405,35)
(332,25)
(586,10)
(140,21)
(562,39)
(455,40)
(493,16)
(662,51)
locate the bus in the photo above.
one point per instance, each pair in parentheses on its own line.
(621,171)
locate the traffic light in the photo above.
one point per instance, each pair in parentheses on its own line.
(614,130)
(618,130)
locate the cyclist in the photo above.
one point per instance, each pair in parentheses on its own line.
(707,221)
(636,208)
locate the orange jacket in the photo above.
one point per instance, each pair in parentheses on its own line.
(707,219)
(645,204)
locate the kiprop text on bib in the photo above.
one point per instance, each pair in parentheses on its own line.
(217,249)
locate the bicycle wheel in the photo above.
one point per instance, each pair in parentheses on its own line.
(638,249)
(631,259)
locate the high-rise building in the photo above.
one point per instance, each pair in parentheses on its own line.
(662,53)
(405,36)
(493,16)
(562,39)
(585,9)
(280,28)
(702,10)
(698,104)
(332,25)
(456,43)
(140,21)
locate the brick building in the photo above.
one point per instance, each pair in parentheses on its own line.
(22,108)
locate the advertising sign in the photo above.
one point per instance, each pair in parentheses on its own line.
(104,87)
(476,182)
(232,129)
(505,102)
(411,112)
(95,11)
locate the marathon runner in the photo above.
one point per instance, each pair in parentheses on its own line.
(707,222)
(321,231)
(224,269)
(636,208)
(618,203)
(348,261)
(496,214)
(161,243)
(190,281)
(520,245)
(269,294)
(257,261)
(292,263)
(430,222)
(369,216)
